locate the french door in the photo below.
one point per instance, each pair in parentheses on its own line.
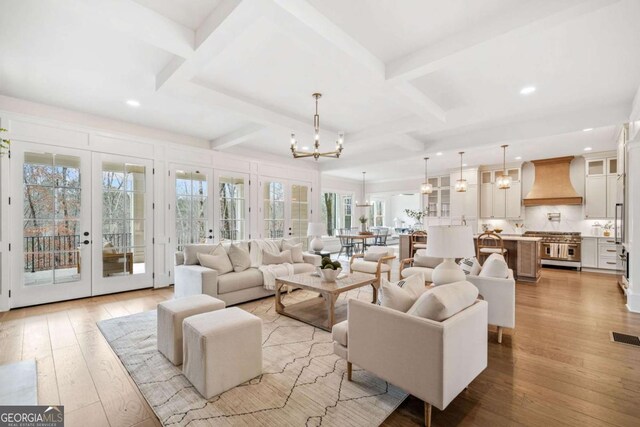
(52,206)
(231,205)
(122,218)
(286,208)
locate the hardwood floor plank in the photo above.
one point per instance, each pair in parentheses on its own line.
(75,384)
(61,332)
(92,415)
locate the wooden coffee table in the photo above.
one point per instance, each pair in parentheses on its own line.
(321,311)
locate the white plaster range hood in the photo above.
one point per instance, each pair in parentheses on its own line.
(552,185)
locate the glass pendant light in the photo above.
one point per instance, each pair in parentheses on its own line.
(366,203)
(461,184)
(426,187)
(504,181)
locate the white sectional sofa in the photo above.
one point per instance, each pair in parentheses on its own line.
(191,278)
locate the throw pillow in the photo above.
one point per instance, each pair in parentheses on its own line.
(258,247)
(239,258)
(281,258)
(108,248)
(420,259)
(444,301)
(400,295)
(220,263)
(495,266)
(296,251)
(191,252)
(470,266)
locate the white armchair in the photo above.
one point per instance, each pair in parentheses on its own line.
(501,296)
(382,265)
(432,360)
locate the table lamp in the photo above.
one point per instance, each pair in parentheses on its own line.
(449,242)
(316,230)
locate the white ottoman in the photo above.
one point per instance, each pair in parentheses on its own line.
(222,349)
(172,313)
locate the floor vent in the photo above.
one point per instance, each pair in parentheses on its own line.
(625,339)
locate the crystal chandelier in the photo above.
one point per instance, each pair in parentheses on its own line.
(366,203)
(461,184)
(426,187)
(316,146)
(504,180)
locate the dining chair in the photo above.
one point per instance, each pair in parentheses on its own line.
(346,242)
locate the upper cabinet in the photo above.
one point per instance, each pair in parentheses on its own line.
(600,187)
(500,203)
(439,201)
(464,204)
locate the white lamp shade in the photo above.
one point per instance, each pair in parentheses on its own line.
(316,229)
(450,241)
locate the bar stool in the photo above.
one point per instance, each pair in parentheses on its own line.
(489,243)
(418,241)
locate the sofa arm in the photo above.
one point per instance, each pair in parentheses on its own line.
(501,296)
(312,259)
(178,258)
(195,280)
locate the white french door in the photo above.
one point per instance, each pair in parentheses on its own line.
(286,208)
(52,206)
(231,203)
(122,218)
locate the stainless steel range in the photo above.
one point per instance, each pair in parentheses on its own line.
(559,248)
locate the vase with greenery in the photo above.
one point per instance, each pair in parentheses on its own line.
(363,223)
(417,216)
(607,229)
(4,143)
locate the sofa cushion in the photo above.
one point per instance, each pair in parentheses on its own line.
(219,263)
(281,258)
(369,267)
(191,252)
(257,247)
(400,295)
(239,258)
(444,301)
(426,273)
(420,259)
(339,333)
(303,267)
(246,279)
(296,251)
(470,266)
(495,266)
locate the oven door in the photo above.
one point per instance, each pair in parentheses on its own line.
(561,251)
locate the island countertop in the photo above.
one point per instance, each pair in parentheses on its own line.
(516,238)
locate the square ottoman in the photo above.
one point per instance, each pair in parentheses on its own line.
(222,349)
(172,313)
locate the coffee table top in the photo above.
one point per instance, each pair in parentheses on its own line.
(315,283)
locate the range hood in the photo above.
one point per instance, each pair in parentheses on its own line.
(552,185)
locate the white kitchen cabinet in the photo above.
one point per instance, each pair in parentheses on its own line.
(589,249)
(500,203)
(514,202)
(607,253)
(439,201)
(612,189)
(595,196)
(464,203)
(601,187)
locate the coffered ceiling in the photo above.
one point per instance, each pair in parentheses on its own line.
(403,79)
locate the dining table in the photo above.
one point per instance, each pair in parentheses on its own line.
(355,237)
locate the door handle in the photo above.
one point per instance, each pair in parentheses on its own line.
(86,242)
(86,233)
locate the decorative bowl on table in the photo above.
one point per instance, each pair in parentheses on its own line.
(329,274)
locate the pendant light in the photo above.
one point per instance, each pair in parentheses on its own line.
(504,181)
(426,187)
(366,203)
(461,184)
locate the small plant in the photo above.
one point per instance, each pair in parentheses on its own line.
(608,225)
(327,264)
(363,219)
(4,143)
(416,215)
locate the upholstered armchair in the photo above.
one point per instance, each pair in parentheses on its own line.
(377,261)
(433,361)
(419,264)
(501,296)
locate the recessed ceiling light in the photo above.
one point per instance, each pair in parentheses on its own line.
(527,90)
(588,148)
(439,153)
(587,130)
(519,158)
(133,103)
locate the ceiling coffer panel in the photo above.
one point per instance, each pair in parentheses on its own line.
(552,185)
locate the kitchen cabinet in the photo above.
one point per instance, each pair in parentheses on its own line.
(465,204)
(595,197)
(589,252)
(439,201)
(500,203)
(601,187)
(607,253)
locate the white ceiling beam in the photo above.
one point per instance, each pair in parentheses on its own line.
(407,142)
(399,126)
(419,103)
(236,137)
(227,21)
(141,23)
(529,18)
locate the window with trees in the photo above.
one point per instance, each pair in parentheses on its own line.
(376,214)
(273,209)
(191,208)
(232,224)
(336,211)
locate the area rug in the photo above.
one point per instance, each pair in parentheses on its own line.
(303,382)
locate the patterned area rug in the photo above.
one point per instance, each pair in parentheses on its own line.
(303,382)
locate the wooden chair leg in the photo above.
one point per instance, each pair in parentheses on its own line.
(427,414)
(349,370)
(500,334)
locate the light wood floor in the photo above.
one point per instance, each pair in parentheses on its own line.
(558,367)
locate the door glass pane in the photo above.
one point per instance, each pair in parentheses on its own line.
(51,213)
(123,218)
(232,223)
(613,166)
(595,167)
(445,202)
(299,212)
(273,209)
(192,203)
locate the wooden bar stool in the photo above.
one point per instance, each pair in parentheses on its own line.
(418,241)
(489,243)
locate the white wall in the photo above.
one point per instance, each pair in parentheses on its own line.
(42,124)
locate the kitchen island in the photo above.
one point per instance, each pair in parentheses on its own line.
(523,256)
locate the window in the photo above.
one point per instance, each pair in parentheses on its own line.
(191,208)
(336,212)
(273,209)
(232,208)
(376,214)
